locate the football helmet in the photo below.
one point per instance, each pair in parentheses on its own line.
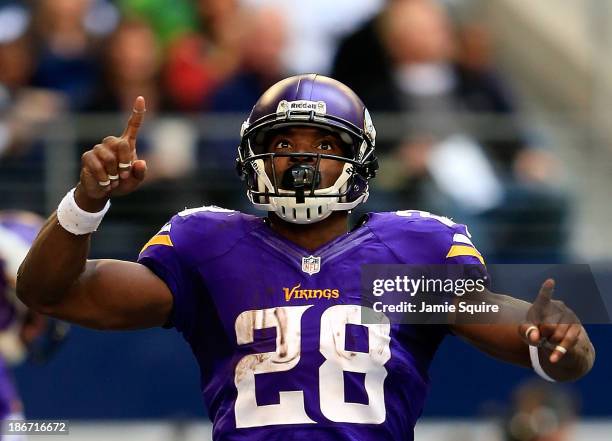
(317,101)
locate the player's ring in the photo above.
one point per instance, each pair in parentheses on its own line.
(104,183)
(113,177)
(125,165)
(139,111)
(529,330)
(561,349)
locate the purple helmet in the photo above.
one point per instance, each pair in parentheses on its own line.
(308,100)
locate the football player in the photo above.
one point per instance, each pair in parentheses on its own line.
(271,306)
(21,329)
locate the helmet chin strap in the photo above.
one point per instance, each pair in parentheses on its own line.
(313,209)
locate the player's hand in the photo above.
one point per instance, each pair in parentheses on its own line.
(550,323)
(112,168)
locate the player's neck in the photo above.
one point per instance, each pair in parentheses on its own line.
(311,236)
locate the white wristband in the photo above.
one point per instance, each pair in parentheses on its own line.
(535,362)
(75,220)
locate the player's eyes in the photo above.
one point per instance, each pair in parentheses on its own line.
(325,146)
(283,144)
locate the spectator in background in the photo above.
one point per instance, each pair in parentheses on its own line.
(23,112)
(409,60)
(412,67)
(67,58)
(260,65)
(540,412)
(475,56)
(131,66)
(316,27)
(199,61)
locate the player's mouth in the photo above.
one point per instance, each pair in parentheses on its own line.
(301,178)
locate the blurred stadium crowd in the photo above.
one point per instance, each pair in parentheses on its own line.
(451,137)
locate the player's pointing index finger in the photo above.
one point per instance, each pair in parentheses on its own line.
(545,294)
(135,121)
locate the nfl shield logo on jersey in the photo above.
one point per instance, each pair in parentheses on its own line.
(311,265)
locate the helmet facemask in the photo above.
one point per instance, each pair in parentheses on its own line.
(296,196)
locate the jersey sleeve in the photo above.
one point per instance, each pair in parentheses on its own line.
(462,258)
(161,254)
(462,249)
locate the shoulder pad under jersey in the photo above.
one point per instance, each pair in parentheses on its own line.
(205,232)
(418,235)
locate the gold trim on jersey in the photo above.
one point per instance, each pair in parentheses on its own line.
(160,239)
(464,250)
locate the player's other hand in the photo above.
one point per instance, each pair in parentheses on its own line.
(112,168)
(550,323)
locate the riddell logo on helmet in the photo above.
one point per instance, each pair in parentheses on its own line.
(297,293)
(319,107)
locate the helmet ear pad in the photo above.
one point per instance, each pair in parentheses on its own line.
(358,186)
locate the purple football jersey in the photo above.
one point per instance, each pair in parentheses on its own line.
(17,232)
(277,330)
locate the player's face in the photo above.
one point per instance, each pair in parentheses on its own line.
(306,140)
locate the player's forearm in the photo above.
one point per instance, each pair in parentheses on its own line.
(55,261)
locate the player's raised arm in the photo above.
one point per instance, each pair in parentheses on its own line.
(57,279)
(550,338)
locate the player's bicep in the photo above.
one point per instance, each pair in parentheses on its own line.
(112,294)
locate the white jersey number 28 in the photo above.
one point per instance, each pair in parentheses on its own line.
(291,407)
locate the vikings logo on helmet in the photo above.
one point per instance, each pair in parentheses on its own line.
(308,100)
